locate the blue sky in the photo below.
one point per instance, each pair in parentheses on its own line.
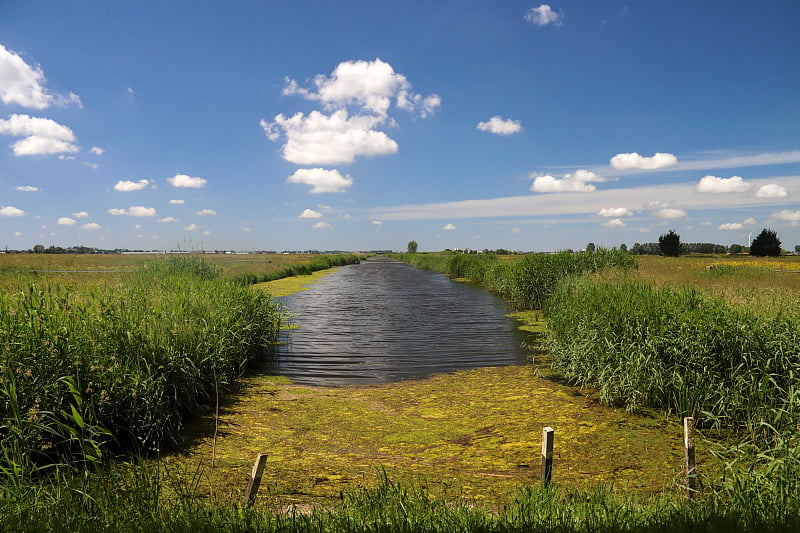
(363,125)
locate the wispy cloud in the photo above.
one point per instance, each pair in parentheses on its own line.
(544,15)
(677,196)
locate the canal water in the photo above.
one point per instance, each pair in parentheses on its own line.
(382,321)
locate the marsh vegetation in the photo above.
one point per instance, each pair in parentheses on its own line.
(97,364)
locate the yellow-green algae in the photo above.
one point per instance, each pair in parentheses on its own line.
(474,433)
(290,285)
(477,432)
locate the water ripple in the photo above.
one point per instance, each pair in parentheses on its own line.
(383,321)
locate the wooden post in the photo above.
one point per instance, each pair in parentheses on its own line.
(688,441)
(255,479)
(547,455)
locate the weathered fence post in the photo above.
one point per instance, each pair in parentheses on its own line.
(547,455)
(688,441)
(255,480)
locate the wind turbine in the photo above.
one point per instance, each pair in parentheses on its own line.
(749,235)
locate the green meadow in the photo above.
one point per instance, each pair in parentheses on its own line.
(126,402)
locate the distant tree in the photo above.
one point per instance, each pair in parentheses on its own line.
(736,248)
(797,248)
(766,244)
(38,249)
(590,247)
(670,244)
(623,247)
(412,247)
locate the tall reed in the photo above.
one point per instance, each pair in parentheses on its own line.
(529,281)
(677,349)
(121,366)
(320,263)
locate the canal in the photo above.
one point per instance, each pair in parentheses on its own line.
(383,321)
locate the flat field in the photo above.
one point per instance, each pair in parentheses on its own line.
(765,285)
(76,270)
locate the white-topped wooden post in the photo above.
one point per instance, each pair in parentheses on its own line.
(547,455)
(688,442)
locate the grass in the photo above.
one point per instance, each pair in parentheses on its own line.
(528,281)
(133,500)
(678,350)
(676,319)
(92,270)
(120,366)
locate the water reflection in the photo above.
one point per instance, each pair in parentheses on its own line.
(383,321)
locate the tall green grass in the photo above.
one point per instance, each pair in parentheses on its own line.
(321,263)
(122,366)
(528,282)
(141,498)
(679,350)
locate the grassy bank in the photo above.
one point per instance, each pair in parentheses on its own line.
(300,269)
(529,281)
(120,366)
(677,349)
(82,270)
(134,501)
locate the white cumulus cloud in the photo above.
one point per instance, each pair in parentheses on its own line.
(176,202)
(134,211)
(771,190)
(377,222)
(579,181)
(24,85)
(321,180)
(66,221)
(544,15)
(614,212)
(191,227)
(81,214)
(206,212)
(730,226)
(184,181)
(715,185)
(10,211)
(614,223)
(449,227)
(356,99)
(368,85)
(167,220)
(92,226)
(500,126)
(670,213)
(787,215)
(749,221)
(321,225)
(28,188)
(130,186)
(319,139)
(310,213)
(634,160)
(41,136)
(96,150)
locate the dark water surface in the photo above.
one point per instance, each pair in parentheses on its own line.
(382,321)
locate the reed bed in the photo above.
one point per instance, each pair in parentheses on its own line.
(529,281)
(300,269)
(120,366)
(677,349)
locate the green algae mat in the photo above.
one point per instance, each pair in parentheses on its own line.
(474,433)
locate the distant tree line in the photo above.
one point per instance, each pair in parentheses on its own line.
(765,244)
